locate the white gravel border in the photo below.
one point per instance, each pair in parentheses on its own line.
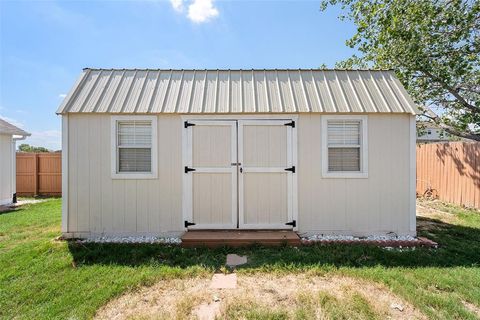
(321,237)
(141,239)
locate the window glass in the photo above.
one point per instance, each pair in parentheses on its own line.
(344,145)
(134,146)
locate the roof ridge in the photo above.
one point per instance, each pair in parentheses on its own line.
(236,69)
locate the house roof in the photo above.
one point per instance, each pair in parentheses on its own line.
(237,91)
(428,124)
(8,128)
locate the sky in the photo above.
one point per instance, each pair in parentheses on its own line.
(45,44)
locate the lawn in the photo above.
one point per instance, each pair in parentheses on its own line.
(44,278)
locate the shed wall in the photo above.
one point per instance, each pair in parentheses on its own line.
(101,205)
(378,204)
(6,169)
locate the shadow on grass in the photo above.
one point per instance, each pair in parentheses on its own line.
(5,209)
(459,246)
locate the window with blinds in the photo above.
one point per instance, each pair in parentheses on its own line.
(134,146)
(344,145)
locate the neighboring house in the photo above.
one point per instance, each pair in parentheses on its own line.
(428,132)
(9,134)
(160,152)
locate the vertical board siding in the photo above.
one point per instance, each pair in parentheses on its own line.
(212,198)
(39,173)
(266,198)
(374,205)
(451,171)
(102,205)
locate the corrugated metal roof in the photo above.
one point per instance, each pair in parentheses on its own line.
(237,91)
(8,128)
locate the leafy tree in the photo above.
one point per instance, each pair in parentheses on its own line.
(434,48)
(24,147)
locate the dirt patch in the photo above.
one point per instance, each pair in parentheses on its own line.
(472,308)
(290,295)
(433,219)
(425,209)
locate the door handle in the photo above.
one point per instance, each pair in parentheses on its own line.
(236,164)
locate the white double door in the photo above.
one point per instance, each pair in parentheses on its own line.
(239,174)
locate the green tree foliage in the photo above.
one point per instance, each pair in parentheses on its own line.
(434,48)
(28,148)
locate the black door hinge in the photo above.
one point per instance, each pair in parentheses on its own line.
(187,224)
(293,223)
(187,169)
(187,124)
(290,124)
(292,169)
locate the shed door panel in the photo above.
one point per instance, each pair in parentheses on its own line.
(265,187)
(212,150)
(211,146)
(265,199)
(212,199)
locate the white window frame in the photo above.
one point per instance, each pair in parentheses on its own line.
(363,173)
(153,174)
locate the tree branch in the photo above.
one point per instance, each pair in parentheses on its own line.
(449,129)
(460,134)
(453,92)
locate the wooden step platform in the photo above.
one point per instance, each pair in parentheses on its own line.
(239,238)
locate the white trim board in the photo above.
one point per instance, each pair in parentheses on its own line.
(13,186)
(412,175)
(363,173)
(253,119)
(215,117)
(65,167)
(291,187)
(154,148)
(187,196)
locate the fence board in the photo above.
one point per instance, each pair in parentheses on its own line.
(451,170)
(39,174)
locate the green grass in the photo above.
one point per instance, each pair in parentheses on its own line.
(43,278)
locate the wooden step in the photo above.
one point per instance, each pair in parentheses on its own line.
(239,238)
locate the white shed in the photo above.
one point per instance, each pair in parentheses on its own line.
(159,152)
(9,134)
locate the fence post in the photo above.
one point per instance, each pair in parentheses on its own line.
(35,174)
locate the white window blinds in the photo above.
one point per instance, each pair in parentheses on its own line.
(344,145)
(134,146)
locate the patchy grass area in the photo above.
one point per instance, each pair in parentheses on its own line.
(43,278)
(263,295)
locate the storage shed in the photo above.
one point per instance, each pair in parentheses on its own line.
(159,152)
(9,134)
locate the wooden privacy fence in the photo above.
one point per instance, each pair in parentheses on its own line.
(450,172)
(39,174)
